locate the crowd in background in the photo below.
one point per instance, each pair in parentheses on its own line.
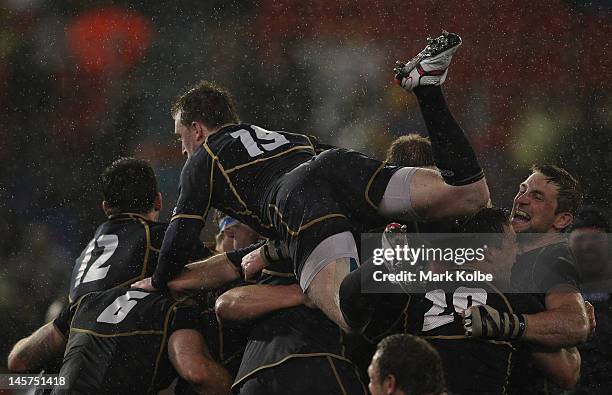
(86,82)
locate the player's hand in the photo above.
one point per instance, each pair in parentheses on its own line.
(145,284)
(252,263)
(300,296)
(486,322)
(590,310)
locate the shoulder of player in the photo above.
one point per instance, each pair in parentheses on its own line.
(225,132)
(555,256)
(560,249)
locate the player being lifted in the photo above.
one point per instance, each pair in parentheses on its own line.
(277,184)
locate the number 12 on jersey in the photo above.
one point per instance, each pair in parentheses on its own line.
(108,244)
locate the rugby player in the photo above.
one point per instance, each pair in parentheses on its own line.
(124,341)
(544,206)
(276,183)
(589,242)
(412,150)
(480,365)
(294,347)
(406,365)
(125,248)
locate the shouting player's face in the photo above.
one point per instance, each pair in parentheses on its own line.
(535,205)
(187,136)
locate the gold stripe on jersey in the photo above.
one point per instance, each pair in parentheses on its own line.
(246,211)
(307,224)
(145,261)
(128,282)
(121,334)
(211,180)
(299,147)
(76,308)
(188,216)
(162,343)
(210,190)
(500,293)
(271,365)
(335,372)
(277,274)
(311,144)
(135,216)
(367,190)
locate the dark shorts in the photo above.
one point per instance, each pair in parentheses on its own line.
(305,375)
(336,191)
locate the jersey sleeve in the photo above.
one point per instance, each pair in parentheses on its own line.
(187,317)
(183,233)
(64,318)
(199,252)
(195,188)
(318,145)
(555,269)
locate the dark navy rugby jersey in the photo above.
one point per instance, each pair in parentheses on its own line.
(235,170)
(124,249)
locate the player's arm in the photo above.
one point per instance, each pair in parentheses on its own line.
(192,360)
(188,219)
(213,272)
(561,366)
(564,323)
(253,301)
(33,352)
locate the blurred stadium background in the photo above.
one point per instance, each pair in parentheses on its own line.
(84,82)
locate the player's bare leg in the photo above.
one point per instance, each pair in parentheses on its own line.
(325,288)
(459,188)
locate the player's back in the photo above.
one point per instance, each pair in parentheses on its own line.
(471,365)
(288,333)
(238,164)
(117,342)
(124,249)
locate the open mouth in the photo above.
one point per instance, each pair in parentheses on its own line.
(520,216)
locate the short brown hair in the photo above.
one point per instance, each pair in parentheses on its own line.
(414,362)
(206,103)
(569,198)
(411,150)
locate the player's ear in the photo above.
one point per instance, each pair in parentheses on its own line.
(389,384)
(200,130)
(563,220)
(106,208)
(158,202)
